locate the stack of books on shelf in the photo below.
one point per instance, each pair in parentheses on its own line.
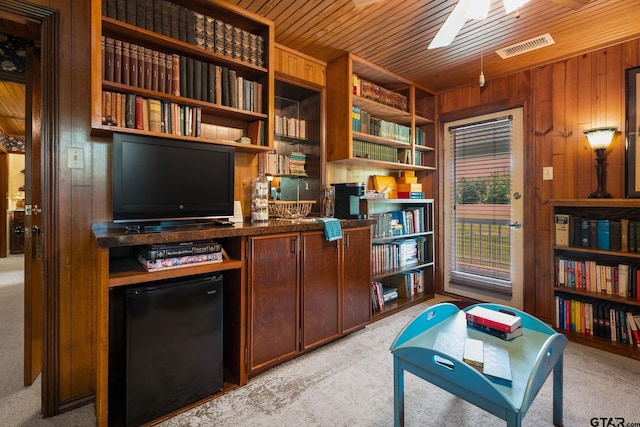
(402,253)
(380,295)
(621,234)
(421,137)
(171,20)
(398,223)
(497,323)
(373,151)
(597,318)
(167,256)
(132,111)
(408,283)
(369,90)
(591,276)
(296,163)
(408,187)
(290,127)
(273,163)
(363,122)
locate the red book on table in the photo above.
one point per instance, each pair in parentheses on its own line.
(493,319)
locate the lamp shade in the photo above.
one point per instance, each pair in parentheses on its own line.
(600,138)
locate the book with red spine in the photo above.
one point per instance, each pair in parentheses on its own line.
(494,319)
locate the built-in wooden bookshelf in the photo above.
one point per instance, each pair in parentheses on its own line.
(587,309)
(365,97)
(216,81)
(417,225)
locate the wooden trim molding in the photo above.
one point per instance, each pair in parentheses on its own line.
(49,140)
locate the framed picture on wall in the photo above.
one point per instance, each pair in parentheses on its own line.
(632,132)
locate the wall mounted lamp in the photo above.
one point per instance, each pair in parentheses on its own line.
(600,139)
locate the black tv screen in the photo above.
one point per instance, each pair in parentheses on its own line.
(159,179)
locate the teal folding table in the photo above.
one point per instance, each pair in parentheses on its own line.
(532,356)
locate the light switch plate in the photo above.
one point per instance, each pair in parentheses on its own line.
(547,173)
(75,158)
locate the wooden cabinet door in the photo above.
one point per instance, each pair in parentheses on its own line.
(320,289)
(356,288)
(274,308)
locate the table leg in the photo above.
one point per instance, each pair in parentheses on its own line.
(398,393)
(557,392)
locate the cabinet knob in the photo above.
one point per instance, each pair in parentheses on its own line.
(19,231)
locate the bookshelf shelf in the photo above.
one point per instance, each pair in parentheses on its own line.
(418,212)
(243,77)
(380,140)
(592,294)
(354,82)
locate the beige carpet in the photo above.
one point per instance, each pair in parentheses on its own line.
(346,383)
(350,383)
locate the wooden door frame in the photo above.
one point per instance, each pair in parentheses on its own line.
(49,37)
(4,204)
(529,300)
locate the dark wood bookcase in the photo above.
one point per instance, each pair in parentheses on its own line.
(582,294)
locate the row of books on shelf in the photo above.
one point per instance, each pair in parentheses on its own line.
(290,127)
(401,253)
(384,153)
(380,295)
(361,121)
(273,163)
(598,319)
(397,223)
(377,93)
(132,111)
(144,68)
(604,234)
(620,279)
(408,283)
(171,20)
(419,158)
(167,256)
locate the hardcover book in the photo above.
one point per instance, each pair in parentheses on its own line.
(562,229)
(494,319)
(604,234)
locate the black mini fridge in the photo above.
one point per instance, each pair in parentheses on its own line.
(169,347)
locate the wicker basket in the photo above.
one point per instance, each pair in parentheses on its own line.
(290,209)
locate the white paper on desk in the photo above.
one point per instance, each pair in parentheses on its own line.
(449,344)
(497,365)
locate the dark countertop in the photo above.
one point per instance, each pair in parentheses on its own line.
(108,234)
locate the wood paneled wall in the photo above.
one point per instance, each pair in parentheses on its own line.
(563,99)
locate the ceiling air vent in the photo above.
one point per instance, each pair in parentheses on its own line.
(526,46)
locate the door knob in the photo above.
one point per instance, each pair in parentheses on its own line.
(36,230)
(516,225)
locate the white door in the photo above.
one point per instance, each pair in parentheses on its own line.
(483,178)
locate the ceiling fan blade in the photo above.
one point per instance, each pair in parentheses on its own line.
(572,4)
(452,26)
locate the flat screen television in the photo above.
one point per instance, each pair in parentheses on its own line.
(166,180)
